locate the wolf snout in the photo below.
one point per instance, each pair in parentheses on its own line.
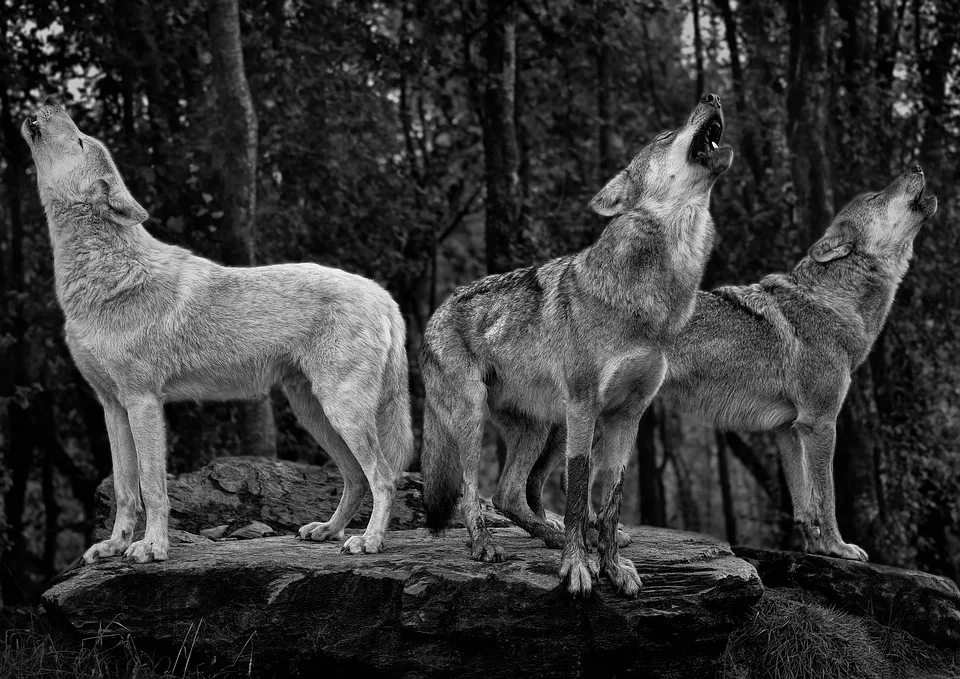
(711,100)
(916,169)
(51,102)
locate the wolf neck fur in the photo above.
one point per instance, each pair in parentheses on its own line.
(674,236)
(98,264)
(864,291)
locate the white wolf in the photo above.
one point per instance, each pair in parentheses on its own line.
(148,323)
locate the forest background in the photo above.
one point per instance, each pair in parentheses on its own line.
(427,143)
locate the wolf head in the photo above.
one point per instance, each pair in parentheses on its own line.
(75,173)
(673,168)
(879,225)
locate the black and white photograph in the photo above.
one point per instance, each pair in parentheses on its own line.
(480,338)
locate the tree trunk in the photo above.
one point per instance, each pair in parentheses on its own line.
(606,101)
(807,100)
(726,493)
(748,140)
(256,430)
(697,48)
(856,466)
(653,510)
(19,446)
(500,148)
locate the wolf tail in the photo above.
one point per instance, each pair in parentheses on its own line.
(451,417)
(393,418)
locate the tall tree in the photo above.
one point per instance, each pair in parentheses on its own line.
(257,433)
(807,101)
(13,377)
(501,150)
(504,199)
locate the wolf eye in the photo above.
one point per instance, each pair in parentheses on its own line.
(81,141)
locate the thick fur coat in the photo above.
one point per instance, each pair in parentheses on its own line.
(148,323)
(579,341)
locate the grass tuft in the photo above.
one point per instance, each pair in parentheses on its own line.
(30,648)
(793,639)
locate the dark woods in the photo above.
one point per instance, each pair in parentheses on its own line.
(424,144)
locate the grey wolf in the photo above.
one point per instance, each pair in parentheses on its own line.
(777,355)
(579,341)
(149,323)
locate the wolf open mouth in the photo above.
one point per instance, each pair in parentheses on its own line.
(925,206)
(707,139)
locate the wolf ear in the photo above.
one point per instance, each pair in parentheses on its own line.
(612,198)
(830,247)
(114,202)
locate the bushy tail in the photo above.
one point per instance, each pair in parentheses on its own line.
(393,418)
(440,463)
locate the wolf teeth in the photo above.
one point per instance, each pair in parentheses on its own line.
(713,144)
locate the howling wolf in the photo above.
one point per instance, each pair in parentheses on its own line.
(777,355)
(578,341)
(149,323)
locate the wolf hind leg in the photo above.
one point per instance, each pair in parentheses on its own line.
(468,423)
(807,454)
(551,455)
(308,411)
(524,439)
(351,411)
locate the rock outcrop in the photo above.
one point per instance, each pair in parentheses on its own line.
(240,591)
(237,491)
(926,606)
(422,608)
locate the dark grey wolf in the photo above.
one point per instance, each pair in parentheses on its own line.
(148,323)
(578,340)
(777,355)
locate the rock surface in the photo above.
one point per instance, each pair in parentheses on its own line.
(927,606)
(423,608)
(237,491)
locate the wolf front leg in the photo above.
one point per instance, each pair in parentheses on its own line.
(126,483)
(610,456)
(807,454)
(145,413)
(577,572)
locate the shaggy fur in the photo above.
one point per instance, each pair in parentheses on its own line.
(578,340)
(149,323)
(777,355)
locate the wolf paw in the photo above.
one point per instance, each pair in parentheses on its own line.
(144,551)
(554,521)
(845,550)
(318,532)
(362,544)
(487,551)
(104,549)
(577,574)
(623,576)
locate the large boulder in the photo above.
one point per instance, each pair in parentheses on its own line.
(230,493)
(926,606)
(423,608)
